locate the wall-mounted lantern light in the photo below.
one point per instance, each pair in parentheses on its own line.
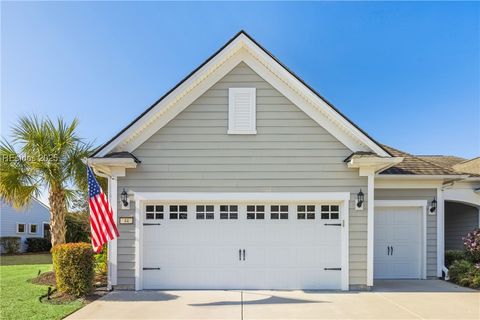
(124,198)
(433,206)
(360,200)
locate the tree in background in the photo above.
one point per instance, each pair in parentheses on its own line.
(44,154)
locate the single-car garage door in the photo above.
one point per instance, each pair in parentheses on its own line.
(398,243)
(241,246)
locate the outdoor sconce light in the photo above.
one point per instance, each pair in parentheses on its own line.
(433,206)
(360,200)
(124,198)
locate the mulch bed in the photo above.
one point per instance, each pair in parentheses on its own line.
(48,279)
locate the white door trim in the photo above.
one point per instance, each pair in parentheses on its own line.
(342,198)
(412,203)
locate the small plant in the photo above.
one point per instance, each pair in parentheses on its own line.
(101,265)
(74,268)
(38,245)
(453,255)
(472,245)
(11,245)
(465,273)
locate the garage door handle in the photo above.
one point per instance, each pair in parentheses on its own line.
(240,254)
(388,250)
(243,254)
(391,251)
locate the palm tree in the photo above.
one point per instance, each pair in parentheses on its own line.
(43,155)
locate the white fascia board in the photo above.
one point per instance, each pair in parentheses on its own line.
(242,49)
(289,197)
(417,177)
(311,97)
(112,162)
(177,94)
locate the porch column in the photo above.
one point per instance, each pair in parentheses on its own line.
(440,232)
(370,227)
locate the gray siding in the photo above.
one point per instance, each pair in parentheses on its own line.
(36,213)
(289,153)
(460,219)
(418,194)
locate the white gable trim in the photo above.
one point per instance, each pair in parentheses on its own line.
(242,48)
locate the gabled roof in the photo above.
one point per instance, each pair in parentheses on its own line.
(415,165)
(240,48)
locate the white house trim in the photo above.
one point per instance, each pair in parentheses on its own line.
(440,232)
(242,48)
(412,203)
(287,197)
(342,198)
(43,227)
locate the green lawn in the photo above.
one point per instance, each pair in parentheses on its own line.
(19,298)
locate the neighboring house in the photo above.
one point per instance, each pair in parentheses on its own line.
(32,221)
(242,176)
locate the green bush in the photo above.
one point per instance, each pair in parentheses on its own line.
(101,266)
(465,273)
(74,268)
(38,245)
(453,255)
(78,227)
(10,244)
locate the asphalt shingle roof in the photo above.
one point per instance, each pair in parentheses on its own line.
(415,165)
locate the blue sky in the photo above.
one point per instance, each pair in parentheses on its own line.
(407,73)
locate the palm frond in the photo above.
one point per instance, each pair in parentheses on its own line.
(18,182)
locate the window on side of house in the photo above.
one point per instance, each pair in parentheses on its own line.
(242,111)
(228,212)
(33,229)
(21,227)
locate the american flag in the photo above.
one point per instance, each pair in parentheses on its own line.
(102,225)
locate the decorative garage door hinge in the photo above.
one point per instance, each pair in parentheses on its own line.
(158,268)
(151,224)
(334,269)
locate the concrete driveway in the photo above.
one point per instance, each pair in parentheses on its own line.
(430,299)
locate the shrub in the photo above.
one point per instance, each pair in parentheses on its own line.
(465,273)
(453,255)
(10,244)
(101,266)
(472,245)
(73,264)
(38,244)
(78,227)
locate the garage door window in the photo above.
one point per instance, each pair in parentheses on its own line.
(178,212)
(153,212)
(228,212)
(305,212)
(205,212)
(330,212)
(279,212)
(256,212)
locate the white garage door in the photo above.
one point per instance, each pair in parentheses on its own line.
(232,246)
(398,243)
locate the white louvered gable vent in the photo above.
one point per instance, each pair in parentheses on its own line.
(241,111)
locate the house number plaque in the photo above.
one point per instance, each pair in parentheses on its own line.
(126,220)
